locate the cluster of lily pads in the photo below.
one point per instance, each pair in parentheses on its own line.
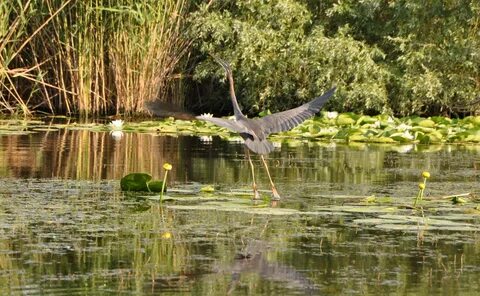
(143,182)
(386,129)
(347,127)
(388,213)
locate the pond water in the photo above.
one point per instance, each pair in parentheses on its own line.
(345,225)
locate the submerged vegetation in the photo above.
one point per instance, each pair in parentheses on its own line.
(88,238)
(104,57)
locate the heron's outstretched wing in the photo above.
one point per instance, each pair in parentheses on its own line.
(226,123)
(286,120)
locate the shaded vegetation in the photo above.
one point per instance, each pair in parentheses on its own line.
(405,57)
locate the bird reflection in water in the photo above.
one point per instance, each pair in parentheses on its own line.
(253,259)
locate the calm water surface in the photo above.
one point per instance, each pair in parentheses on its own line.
(66,228)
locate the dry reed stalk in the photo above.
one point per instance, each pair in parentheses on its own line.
(91,56)
(13,41)
(145,54)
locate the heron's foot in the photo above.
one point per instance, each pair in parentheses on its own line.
(276,196)
(256,195)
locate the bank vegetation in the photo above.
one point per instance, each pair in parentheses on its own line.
(101,57)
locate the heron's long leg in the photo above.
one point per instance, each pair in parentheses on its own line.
(274,190)
(256,195)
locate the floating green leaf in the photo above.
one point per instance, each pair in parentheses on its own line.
(345,119)
(135,182)
(140,182)
(156,186)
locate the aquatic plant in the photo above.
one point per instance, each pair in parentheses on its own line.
(167,167)
(116,124)
(421,187)
(141,182)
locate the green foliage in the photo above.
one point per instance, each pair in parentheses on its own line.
(409,57)
(279,60)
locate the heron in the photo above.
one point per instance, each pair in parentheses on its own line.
(255,131)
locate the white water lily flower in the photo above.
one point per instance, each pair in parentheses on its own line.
(208,115)
(117,124)
(407,135)
(377,124)
(331,115)
(404,127)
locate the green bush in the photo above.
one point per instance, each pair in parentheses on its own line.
(405,57)
(279,59)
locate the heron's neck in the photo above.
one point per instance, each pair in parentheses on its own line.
(236,108)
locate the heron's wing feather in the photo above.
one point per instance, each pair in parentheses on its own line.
(226,123)
(286,120)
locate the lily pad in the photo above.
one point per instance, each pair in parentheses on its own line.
(140,182)
(156,186)
(207,189)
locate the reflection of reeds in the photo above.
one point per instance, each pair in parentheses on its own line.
(89,57)
(82,154)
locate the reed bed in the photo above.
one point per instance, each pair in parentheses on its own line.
(90,57)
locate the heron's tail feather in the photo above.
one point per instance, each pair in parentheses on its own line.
(259,146)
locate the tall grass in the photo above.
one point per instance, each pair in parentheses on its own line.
(146,50)
(91,57)
(14,67)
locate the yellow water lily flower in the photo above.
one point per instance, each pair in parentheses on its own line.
(167,166)
(426,174)
(167,235)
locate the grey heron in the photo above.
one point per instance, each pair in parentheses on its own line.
(255,131)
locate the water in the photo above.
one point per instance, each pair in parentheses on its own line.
(66,228)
